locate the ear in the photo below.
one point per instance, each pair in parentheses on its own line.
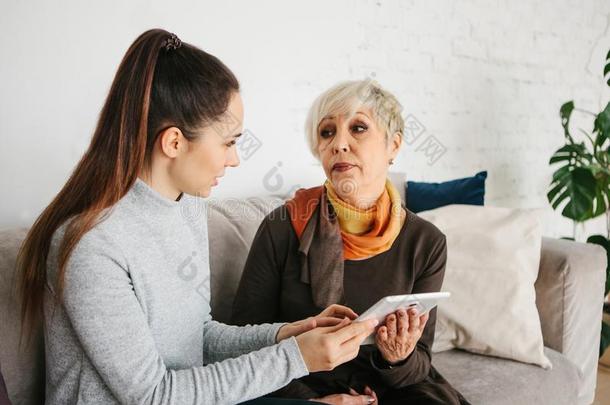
(172,142)
(394,144)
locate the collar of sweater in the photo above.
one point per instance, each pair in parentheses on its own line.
(144,195)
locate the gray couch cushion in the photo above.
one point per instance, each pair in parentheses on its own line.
(23,369)
(494,381)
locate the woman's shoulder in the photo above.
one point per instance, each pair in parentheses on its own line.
(95,236)
(278,220)
(422,229)
(90,246)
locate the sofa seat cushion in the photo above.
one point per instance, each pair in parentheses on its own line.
(495,381)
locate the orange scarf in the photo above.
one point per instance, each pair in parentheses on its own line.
(379,225)
(372,231)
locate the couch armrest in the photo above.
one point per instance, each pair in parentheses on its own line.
(569,297)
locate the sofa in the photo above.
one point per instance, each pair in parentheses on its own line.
(570,309)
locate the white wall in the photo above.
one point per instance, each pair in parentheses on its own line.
(485,78)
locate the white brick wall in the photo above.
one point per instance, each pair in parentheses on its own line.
(485,78)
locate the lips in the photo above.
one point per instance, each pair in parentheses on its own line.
(342,166)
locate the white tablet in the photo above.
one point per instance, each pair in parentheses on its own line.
(422,302)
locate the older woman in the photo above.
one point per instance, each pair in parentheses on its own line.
(351,242)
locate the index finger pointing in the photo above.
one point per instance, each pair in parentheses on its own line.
(328,321)
(354,329)
(341,311)
(331,329)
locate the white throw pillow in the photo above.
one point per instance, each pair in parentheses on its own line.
(493,255)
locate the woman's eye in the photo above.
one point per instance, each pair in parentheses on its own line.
(231,143)
(325,133)
(359,128)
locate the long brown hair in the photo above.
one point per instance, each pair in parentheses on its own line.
(161,82)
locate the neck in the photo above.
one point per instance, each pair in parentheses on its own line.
(159,181)
(362,198)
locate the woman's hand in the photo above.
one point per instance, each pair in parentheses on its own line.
(353,397)
(397,339)
(331,316)
(338,311)
(324,348)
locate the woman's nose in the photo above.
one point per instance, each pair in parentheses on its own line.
(341,142)
(233,158)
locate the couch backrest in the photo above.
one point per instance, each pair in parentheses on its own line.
(232,225)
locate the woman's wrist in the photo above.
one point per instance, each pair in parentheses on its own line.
(385,363)
(279,335)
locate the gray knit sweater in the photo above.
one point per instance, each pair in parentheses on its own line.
(134,325)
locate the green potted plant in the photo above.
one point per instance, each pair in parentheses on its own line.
(583,180)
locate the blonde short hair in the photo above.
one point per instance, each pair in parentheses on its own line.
(346,98)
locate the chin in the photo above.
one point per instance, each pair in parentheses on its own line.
(342,175)
(202,192)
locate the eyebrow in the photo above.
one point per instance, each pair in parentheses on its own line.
(330,117)
(238,135)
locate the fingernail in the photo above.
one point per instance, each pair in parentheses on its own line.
(370,400)
(375,322)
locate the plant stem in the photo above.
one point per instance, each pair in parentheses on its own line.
(585,111)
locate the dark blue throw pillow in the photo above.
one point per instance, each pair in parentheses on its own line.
(426,196)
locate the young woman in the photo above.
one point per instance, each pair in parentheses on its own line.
(124,320)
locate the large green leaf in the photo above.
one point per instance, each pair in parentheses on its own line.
(601,125)
(562,172)
(601,201)
(568,152)
(578,186)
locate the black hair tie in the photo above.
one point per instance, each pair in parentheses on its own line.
(172,43)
